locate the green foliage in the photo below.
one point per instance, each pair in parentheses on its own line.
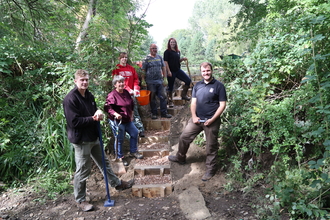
(278,103)
(37,61)
(52,183)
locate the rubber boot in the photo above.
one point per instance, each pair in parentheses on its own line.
(184,93)
(170,99)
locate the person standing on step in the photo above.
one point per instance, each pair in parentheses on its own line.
(208,102)
(131,85)
(172,60)
(119,105)
(154,69)
(82,117)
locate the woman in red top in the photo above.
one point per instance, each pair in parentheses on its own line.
(131,85)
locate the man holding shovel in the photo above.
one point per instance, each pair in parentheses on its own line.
(82,117)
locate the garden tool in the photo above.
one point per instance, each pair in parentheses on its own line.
(108,202)
(189,73)
(117,165)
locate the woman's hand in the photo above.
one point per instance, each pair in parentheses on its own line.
(117,116)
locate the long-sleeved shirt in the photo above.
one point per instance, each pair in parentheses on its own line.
(78,112)
(122,103)
(131,78)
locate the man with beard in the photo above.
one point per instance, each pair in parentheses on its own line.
(208,102)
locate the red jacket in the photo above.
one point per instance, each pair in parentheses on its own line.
(131,77)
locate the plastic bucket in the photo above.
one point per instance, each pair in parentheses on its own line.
(144,98)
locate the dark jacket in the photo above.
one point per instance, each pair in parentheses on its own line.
(78,112)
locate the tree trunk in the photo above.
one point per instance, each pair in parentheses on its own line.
(90,14)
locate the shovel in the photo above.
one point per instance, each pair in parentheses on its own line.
(109,202)
(117,166)
(189,72)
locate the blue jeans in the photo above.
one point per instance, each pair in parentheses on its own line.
(122,129)
(157,89)
(181,76)
(84,153)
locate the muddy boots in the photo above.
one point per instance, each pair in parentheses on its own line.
(170,99)
(184,93)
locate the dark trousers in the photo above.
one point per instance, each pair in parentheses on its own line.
(157,90)
(211,132)
(181,75)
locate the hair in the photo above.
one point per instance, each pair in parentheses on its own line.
(81,73)
(117,78)
(205,64)
(169,45)
(122,54)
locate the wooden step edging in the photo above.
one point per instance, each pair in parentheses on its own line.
(152,191)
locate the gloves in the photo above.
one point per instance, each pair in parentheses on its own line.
(136,93)
(165,83)
(143,83)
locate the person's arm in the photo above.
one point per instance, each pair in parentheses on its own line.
(167,69)
(193,107)
(217,113)
(108,107)
(136,81)
(183,59)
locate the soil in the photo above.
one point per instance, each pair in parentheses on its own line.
(24,203)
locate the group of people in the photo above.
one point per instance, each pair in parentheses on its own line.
(82,115)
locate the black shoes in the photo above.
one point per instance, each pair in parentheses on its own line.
(141,134)
(166,115)
(125,185)
(154,117)
(137,155)
(207,176)
(176,159)
(185,98)
(124,161)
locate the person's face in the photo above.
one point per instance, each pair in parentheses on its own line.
(120,85)
(123,60)
(82,82)
(206,73)
(172,44)
(153,50)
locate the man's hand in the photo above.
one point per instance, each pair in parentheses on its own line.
(98,115)
(131,92)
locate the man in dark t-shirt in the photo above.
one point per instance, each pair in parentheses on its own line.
(208,102)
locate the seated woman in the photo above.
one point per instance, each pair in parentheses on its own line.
(119,105)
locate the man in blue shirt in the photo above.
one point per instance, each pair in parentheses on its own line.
(208,102)
(154,68)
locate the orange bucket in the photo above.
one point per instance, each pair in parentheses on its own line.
(144,97)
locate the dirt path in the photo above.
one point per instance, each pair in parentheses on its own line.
(220,204)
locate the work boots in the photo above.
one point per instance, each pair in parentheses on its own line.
(170,99)
(184,93)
